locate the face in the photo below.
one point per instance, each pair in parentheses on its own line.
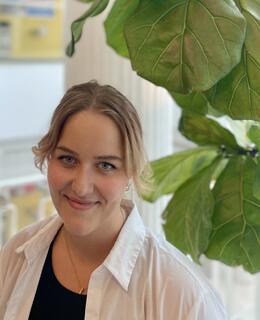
(86,175)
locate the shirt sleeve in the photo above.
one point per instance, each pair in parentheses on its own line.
(207,307)
(182,297)
(1,273)
(1,283)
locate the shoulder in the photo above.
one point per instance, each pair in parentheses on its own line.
(14,254)
(167,257)
(26,234)
(29,241)
(182,285)
(9,254)
(173,264)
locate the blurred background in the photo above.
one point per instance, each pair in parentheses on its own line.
(34,74)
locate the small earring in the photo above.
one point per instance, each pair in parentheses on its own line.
(127,188)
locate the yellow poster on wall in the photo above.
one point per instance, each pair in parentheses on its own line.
(31,29)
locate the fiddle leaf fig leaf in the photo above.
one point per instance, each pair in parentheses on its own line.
(86,1)
(238,94)
(188,215)
(115,22)
(235,239)
(171,47)
(193,103)
(256,184)
(95,9)
(254,135)
(172,171)
(205,131)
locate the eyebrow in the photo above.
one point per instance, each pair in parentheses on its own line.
(101,157)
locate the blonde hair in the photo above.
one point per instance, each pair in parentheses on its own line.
(108,101)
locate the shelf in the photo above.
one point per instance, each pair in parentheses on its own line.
(23,180)
(33,3)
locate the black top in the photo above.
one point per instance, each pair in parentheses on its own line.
(52,301)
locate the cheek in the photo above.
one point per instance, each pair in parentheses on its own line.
(55,176)
(112,189)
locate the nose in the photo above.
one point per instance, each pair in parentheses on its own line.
(83,182)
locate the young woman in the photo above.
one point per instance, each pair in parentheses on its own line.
(95,259)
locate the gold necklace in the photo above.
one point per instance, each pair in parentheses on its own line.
(82,289)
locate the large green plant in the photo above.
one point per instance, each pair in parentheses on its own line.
(206,53)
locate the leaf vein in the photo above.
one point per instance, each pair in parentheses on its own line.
(202,49)
(252,202)
(247,255)
(227,243)
(214,22)
(227,221)
(230,21)
(166,48)
(255,233)
(182,41)
(153,26)
(234,92)
(253,18)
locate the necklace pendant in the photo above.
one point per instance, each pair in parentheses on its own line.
(81,290)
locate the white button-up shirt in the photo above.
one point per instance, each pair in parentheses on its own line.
(143,277)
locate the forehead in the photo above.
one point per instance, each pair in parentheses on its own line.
(92,132)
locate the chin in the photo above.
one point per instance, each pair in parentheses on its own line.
(76,225)
(77,230)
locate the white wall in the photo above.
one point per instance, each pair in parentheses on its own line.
(29,92)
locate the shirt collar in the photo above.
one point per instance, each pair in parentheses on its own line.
(41,239)
(122,258)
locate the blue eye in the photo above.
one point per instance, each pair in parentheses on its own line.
(67,160)
(106,166)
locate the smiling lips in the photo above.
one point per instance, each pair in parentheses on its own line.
(80,205)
